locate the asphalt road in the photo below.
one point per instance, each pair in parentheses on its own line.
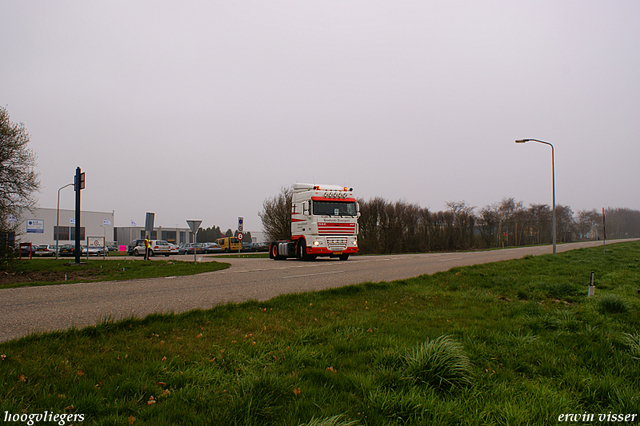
(26,310)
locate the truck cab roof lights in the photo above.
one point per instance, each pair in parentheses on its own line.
(302,187)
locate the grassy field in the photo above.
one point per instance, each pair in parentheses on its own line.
(509,343)
(32,272)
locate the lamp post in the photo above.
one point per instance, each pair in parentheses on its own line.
(553,178)
(58,218)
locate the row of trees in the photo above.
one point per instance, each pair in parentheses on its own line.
(401,227)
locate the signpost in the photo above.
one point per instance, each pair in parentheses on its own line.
(96,242)
(194,225)
(604,229)
(240,236)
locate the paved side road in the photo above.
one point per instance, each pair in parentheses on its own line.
(35,309)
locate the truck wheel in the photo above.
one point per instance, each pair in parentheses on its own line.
(302,250)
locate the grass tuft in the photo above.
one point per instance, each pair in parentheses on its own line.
(633,341)
(330,421)
(612,304)
(440,363)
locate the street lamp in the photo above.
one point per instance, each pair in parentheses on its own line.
(553,177)
(58,218)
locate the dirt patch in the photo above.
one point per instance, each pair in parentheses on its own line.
(20,277)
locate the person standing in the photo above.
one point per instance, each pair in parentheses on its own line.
(147,247)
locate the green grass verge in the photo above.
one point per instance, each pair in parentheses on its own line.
(36,272)
(509,343)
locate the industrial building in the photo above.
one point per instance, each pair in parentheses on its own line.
(39,226)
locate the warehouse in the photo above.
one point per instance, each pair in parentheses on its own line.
(39,226)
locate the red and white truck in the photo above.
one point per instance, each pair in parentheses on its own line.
(324,222)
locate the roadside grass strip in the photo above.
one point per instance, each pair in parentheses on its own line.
(36,272)
(510,343)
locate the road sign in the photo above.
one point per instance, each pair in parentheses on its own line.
(240,236)
(148,222)
(194,225)
(240,224)
(95,241)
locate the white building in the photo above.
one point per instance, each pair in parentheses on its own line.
(39,226)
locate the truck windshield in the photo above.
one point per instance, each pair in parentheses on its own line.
(334,208)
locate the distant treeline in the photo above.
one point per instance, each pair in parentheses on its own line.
(401,227)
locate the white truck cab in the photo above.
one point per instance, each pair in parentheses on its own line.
(324,222)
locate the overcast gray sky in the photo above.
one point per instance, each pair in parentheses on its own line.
(202,109)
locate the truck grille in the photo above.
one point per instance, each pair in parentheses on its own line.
(337,243)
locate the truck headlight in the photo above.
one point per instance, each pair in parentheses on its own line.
(316,243)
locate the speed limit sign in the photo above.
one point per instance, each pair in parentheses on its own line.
(240,236)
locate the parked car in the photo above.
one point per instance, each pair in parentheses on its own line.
(212,248)
(95,251)
(45,250)
(133,244)
(260,246)
(66,250)
(247,247)
(173,248)
(24,251)
(189,248)
(157,247)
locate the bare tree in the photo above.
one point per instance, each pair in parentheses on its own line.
(276,216)
(589,225)
(369,223)
(463,223)
(18,180)
(565,223)
(488,224)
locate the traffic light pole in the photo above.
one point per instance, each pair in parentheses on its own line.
(78,186)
